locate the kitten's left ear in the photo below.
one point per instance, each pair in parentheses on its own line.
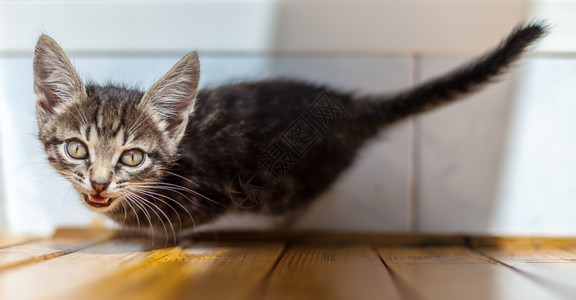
(55,79)
(171,99)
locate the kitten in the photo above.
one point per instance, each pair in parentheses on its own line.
(174,157)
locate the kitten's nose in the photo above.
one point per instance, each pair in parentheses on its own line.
(99,186)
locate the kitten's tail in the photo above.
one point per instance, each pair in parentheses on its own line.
(458,83)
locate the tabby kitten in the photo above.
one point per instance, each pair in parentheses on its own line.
(174,157)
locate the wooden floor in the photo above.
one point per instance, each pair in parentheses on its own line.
(89,264)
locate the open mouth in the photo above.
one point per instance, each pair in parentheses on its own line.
(97,201)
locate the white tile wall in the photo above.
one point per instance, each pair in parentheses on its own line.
(248,26)
(36,198)
(375,193)
(460,152)
(537,192)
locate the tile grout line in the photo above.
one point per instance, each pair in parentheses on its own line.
(3,205)
(414,223)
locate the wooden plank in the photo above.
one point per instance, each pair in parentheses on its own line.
(84,232)
(515,242)
(335,237)
(338,266)
(56,278)
(238,272)
(203,271)
(6,240)
(529,255)
(331,272)
(21,254)
(430,255)
(457,273)
(549,267)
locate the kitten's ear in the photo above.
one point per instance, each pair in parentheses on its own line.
(171,99)
(55,80)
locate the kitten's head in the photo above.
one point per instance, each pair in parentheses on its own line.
(109,140)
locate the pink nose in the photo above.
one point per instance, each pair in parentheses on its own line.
(99,187)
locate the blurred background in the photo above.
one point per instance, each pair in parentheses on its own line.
(501,162)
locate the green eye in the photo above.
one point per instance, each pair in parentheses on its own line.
(76,149)
(132,158)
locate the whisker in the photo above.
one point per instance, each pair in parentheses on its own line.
(137,203)
(185,189)
(128,200)
(125,212)
(156,197)
(155,209)
(147,189)
(182,177)
(158,186)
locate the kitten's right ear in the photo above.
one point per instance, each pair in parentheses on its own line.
(55,79)
(171,99)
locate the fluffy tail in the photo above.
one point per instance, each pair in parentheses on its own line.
(462,81)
